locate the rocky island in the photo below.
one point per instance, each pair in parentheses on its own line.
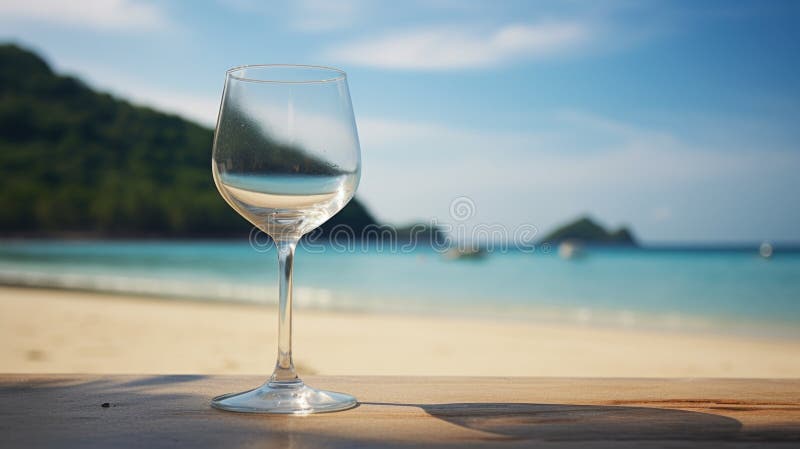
(585,231)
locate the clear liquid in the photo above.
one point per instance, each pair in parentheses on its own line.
(286,206)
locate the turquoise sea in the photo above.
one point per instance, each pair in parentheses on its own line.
(685,290)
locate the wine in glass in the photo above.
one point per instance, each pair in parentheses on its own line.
(287,158)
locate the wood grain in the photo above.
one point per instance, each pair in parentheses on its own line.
(173,411)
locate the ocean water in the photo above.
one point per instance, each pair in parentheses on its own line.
(723,291)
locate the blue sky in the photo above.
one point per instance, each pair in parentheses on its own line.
(680,119)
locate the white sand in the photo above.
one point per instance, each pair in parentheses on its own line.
(66,332)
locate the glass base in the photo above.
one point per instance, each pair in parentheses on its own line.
(292,398)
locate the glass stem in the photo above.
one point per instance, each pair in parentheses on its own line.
(284,373)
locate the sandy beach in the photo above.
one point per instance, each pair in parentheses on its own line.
(70,332)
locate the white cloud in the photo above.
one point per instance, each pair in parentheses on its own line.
(324,15)
(313,16)
(661,213)
(453,47)
(97,14)
(201,107)
(414,169)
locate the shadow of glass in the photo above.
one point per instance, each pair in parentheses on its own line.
(174,411)
(558,422)
(162,380)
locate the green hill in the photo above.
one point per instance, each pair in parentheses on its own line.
(585,230)
(73,160)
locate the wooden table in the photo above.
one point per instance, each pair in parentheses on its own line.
(172,411)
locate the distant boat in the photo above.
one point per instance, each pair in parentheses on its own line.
(570,250)
(765,250)
(465,254)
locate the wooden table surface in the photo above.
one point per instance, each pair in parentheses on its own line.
(173,411)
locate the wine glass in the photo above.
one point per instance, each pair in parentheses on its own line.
(286,157)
